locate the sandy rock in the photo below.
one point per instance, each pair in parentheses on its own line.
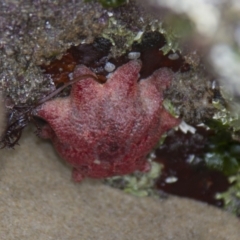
(2,114)
(39,201)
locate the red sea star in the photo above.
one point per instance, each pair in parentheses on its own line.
(108,129)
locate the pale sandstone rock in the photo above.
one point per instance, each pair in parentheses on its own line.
(39,201)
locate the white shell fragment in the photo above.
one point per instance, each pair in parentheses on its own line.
(173,56)
(134,55)
(184,127)
(190,158)
(171,179)
(109,67)
(70,75)
(214,85)
(138,36)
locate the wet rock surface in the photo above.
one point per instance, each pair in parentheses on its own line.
(34,32)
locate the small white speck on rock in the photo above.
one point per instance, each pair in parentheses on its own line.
(184,127)
(134,55)
(109,67)
(173,56)
(171,179)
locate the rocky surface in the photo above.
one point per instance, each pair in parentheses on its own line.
(39,201)
(31,35)
(2,110)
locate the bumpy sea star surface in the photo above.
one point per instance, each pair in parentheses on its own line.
(108,129)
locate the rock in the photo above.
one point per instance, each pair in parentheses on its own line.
(39,201)
(2,114)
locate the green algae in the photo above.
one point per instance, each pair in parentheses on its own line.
(223,152)
(231,197)
(138,184)
(176,29)
(121,37)
(110,3)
